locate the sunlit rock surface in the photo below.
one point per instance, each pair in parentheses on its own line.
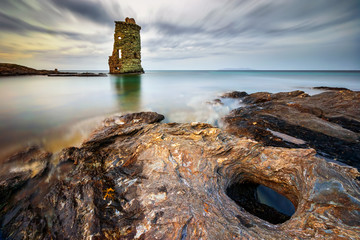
(328,122)
(136,178)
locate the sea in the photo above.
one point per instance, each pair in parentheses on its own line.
(58,112)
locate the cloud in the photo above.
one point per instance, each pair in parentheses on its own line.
(254,26)
(93,11)
(263,18)
(191,30)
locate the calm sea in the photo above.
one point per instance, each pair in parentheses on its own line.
(57,112)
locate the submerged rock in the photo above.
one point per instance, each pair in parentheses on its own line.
(147,180)
(328,122)
(331,88)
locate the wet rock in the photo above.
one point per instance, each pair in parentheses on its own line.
(330,88)
(328,122)
(234,94)
(261,97)
(20,171)
(245,195)
(143,180)
(216,102)
(84,74)
(134,118)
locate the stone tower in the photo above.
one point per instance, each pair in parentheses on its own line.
(126,56)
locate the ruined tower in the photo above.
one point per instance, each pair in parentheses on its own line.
(126,56)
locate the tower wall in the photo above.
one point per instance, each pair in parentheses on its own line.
(126,56)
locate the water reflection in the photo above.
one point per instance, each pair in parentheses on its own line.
(128,90)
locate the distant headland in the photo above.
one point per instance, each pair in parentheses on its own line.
(9,69)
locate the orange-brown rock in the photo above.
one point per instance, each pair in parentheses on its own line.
(328,122)
(140,179)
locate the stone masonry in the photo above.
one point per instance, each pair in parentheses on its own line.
(126,56)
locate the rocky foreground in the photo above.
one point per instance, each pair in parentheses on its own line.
(137,178)
(328,122)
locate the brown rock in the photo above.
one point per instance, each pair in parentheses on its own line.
(234,94)
(328,122)
(173,181)
(21,173)
(8,69)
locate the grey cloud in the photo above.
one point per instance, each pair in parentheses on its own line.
(177,29)
(8,23)
(15,25)
(248,25)
(95,12)
(225,27)
(266,19)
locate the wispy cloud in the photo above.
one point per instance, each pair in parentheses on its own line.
(186,34)
(91,10)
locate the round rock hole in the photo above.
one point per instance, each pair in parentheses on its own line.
(261,201)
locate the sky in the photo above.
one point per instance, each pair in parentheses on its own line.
(184,35)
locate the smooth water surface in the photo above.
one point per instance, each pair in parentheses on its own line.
(60,111)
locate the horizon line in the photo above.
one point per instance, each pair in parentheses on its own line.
(228,70)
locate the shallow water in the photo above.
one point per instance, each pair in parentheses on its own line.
(61,111)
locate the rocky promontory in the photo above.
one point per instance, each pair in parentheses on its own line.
(137,178)
(8,69)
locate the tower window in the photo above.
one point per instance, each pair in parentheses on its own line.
(119,37)
(119,53)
